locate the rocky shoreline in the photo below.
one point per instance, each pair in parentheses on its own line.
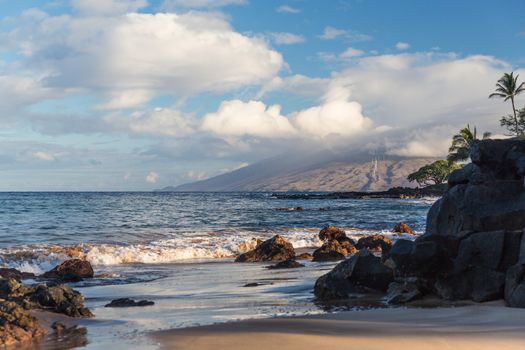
(473,247)
(394,193)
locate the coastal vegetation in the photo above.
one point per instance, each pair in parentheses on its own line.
(433,174)
(508,88)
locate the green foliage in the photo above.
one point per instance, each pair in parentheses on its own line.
(509,123)
(508,88)
(460,149)
(433,174)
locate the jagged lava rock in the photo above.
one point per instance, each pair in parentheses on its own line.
(16,274)
(17,326)
(334,250)
(274,249)
(374,242)
(127,302)
(61,299)
(403,228)
(329,233)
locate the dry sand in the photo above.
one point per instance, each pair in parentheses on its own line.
(479,327)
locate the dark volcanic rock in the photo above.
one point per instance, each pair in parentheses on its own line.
(17,326)
(14,273)
(287,264)
(403,228)
(127,302)
(515,286)
(374,242)
(403,292)
(275,249)
(329,233)
(361,273)
(485,196)
(61,299)
(73,270)
(334,250)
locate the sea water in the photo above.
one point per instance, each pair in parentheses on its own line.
(177,249)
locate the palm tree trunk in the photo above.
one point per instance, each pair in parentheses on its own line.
(515,117)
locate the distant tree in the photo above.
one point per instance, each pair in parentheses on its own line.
(433,174)
(508,88)
(460,149)
(510,124)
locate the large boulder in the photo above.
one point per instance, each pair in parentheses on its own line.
(361,273)
(487,195)
(61,299)
(73,270)
(275,249)
(334,250)
(480,267)
(17,326)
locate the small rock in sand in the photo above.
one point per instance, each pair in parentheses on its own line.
(127,302)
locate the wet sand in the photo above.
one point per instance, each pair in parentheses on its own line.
(482,326)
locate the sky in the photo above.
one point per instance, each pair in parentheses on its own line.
(118,95)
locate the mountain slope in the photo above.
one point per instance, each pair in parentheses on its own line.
(321,172)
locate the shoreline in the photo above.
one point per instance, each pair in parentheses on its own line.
(480,326)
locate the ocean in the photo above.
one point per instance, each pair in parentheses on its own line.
(177,249)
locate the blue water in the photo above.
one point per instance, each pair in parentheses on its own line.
(72,218)
(177,249)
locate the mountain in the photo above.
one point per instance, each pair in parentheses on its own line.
(322,171)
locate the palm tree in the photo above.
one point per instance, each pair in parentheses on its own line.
(507,88)
(461,143)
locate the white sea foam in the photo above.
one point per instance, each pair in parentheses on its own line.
(184,248)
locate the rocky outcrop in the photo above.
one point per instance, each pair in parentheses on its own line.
(275,249)
(14,273)
(336,246)
(403,228)
(474,244)
(374,243)
(73,270)
(361,273)
(334,250)
(127,302)
(17,326)
(61,299)
(329,233)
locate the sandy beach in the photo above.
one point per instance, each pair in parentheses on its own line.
(484,326)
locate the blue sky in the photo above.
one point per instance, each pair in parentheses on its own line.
(137,94)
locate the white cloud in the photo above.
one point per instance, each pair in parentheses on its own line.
(402,46)
(152,177)
(107,7)
(41,155)
(286,38)
(253,118)
(173,4)
(331,33)
(336,116)
(411,89)
(160,121)
(287,9)
(428,142)
(350,53)
(133,57)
